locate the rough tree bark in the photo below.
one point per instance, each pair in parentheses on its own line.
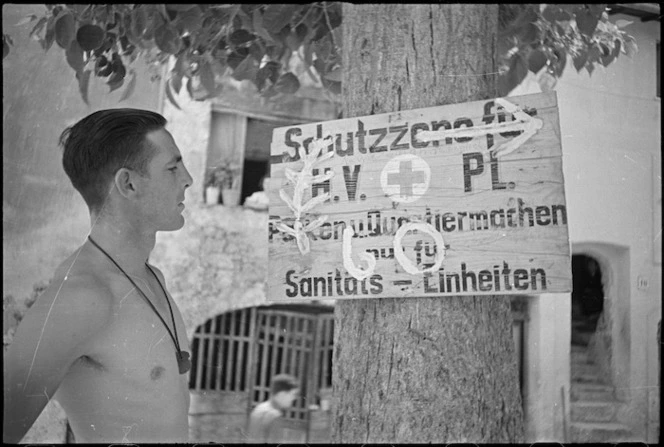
(422,369)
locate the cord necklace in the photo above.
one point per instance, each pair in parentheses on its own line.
(182,357)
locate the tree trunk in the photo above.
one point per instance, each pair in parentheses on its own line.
(422,369)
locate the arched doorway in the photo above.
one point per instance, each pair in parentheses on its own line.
(600,356)
(587,298)
(234,356)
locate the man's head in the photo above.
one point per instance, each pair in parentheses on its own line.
(265,182)
(284,390)
(97,146)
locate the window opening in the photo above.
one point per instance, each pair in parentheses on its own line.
(257,153)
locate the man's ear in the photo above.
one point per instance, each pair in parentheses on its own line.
(125,182)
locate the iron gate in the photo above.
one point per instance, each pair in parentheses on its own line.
(294,343)
(235,354)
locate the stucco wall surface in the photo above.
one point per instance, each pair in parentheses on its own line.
(611,140)
(613,192)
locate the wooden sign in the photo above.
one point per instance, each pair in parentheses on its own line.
(461,199)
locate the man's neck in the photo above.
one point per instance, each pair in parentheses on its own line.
(128,246)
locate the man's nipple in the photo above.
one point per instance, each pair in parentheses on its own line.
(157,372)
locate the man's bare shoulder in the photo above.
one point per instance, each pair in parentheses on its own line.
(59,328)
(66,318)
(61,325)
(80,290)
(265,410)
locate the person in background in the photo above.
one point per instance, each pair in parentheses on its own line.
(265,419)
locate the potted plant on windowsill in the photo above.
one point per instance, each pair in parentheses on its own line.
(224,178)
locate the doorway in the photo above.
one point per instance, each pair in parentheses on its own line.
(587,298)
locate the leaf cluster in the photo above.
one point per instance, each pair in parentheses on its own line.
(277,47)
(202,42)
(536,37)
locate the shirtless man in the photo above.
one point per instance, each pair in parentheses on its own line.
(100,340)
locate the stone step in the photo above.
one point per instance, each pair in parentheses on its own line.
(593,412)
(581,337)
(600,432)
(584,368)
(593,392)
(575,349)
(589,378)
(580,357)
(586,374)
(587,364)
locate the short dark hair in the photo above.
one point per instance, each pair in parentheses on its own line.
(283,382)
(97,146)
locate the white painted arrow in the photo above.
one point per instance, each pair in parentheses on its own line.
(525,123)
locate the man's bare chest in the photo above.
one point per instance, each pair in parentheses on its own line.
(138,340)
(128,378)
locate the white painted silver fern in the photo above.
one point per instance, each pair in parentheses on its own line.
(303,180)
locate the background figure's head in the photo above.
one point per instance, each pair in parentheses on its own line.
(284,390)
(265,182)
(97,146)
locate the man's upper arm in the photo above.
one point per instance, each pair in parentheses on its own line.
(52,335)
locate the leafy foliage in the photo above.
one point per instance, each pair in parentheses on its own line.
(274,46)
(537,37)
(203,42)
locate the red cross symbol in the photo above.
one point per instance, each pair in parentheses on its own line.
(406,178)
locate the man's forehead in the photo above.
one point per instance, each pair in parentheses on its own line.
(163,141)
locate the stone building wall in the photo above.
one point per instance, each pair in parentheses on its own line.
(216,263)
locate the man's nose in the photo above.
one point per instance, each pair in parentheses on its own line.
(189,180)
